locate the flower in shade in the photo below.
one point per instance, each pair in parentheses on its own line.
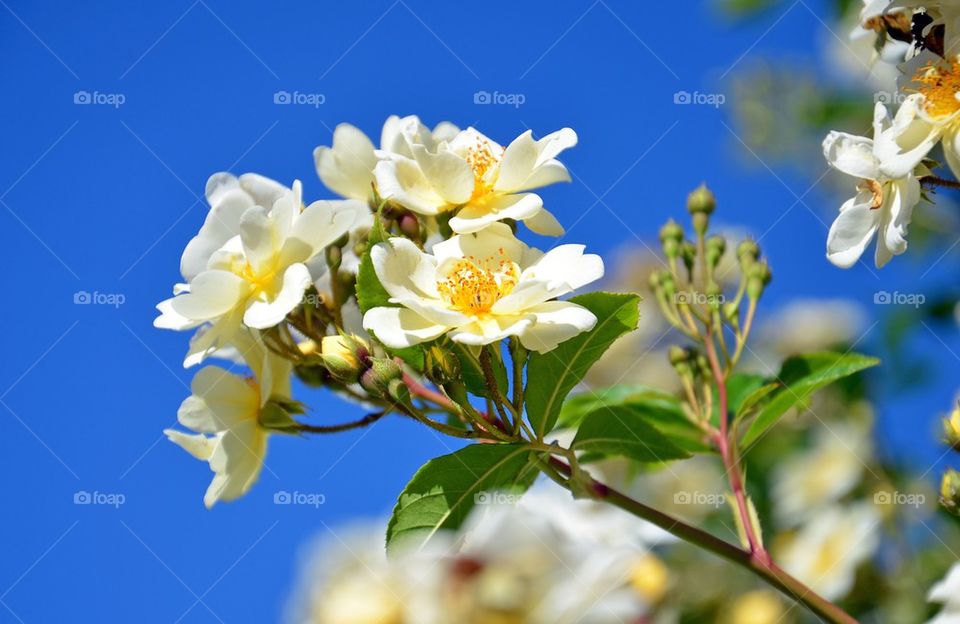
(483,181)
(257,277)
(481,288)
(225,410)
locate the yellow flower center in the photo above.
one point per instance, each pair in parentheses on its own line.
(262,282)
(482,160)
(473,285)
(940,86)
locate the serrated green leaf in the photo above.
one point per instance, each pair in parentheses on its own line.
(660,409)
(472,373)
(801,376)
(370,292)
(551,375)
(623,431)
(444,490)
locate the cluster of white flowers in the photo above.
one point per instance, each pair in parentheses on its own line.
(893,167)
(268,278)
(547,558)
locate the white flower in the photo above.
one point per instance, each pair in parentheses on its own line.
(481,288)
(229,197)
(480,179)
(826,552)
(346,168)
(224,410)
(258,277)
(807,482)
(889,167)
(947,593)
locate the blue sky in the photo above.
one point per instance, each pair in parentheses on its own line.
(101,197)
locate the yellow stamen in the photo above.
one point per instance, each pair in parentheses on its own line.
(481,159)
(473,285)
(940,86)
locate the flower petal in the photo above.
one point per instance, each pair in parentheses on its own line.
(220,399)
(404,270)
(556,322)
(851,231)
(490,329)
(475,217)
(449,175)
(399,328)
(321,223)
(198,445)
(851,154)
(212,294)
(262,314)
(401,181)
(544,223)
(347,167)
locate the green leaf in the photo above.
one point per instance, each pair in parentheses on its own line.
(444,490)
(801,376)
(370,292)
(623,431)
(662,410)
(472,372)
(551,375)
(739,387)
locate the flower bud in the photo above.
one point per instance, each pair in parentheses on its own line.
(716,246)
(671,237)
(399,391)
(409,226)
(951,429)
(950,491)
(441,365)
(376,379)
(344,357)
(714,295)
(334,256)
(677,354)
(747,252)
(701,200)
(758,276)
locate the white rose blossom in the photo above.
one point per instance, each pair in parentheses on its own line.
(889,167)
(947,593)
(346,168)
(478,178)
(224,411)
(257,277)
(481,288)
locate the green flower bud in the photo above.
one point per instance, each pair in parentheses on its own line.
(678,354)
(716,246)
(950,491)
(376,379)
(951,429)
(671,237)
(758,276)
(399,391)
(688,251)
(442,365)
(714,295)
(344,357)
(701,200)
(731,313)
(747,252)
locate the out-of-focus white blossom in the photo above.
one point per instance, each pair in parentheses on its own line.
(947,593)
